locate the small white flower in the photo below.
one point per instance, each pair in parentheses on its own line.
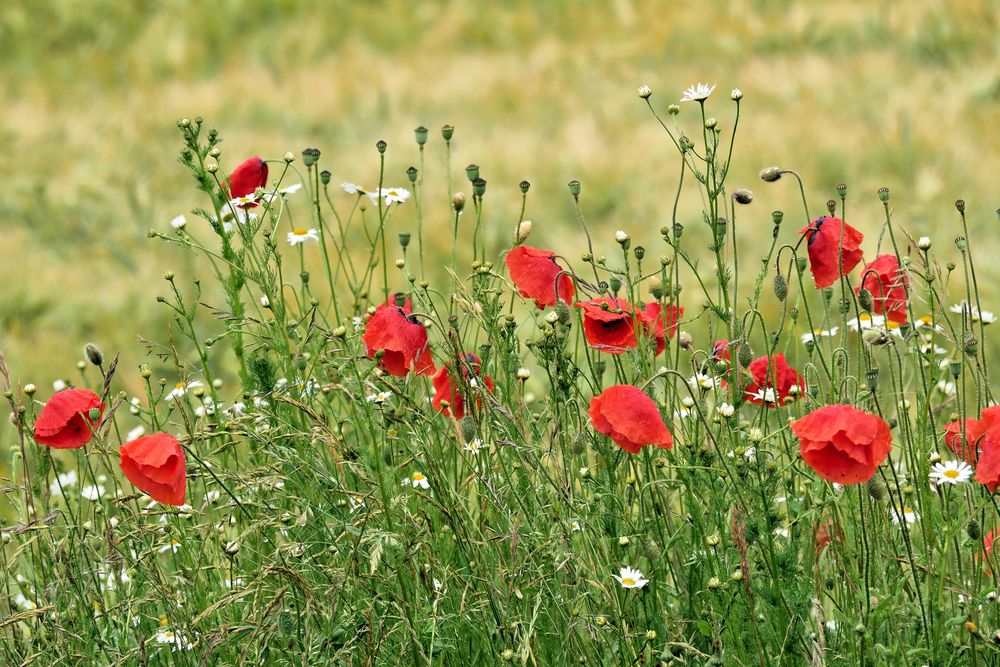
(908,515)
(182,388)
(621,236)
(575,526)
(352,188)
(474,447)
(931,348)
(780,499)
(177,642)
(687,402)
(234,583)
(683,413)
(697,92)
(781,532)
(395,195)
(701,381)
(63,480)
(356,503)
(438,586)
(837,487)
(59,385)
(357,322)
(725,410)
(865,321)
(244,201)
(135,433)
(645,92)
(379,397)
(23,602)
(951,472)
(946,387)
(924,242)
(630,578)
(301,235)
(816,333)
(750,454)
(172,546)
(92,492)
(417,480)
(974,313)
(283,192)
(135,403)
(264,301)
(179,222)
(212,496)
(766,395)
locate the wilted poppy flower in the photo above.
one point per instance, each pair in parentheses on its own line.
(888,285)
(774,383)
(65,422)
(630,418)
(155,464)
(609,325)
(824,236)
(448,387)
(534,274)
(662,322)
(246,178)
(843,444)
(401,338)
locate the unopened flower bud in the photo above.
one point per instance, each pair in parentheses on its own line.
(93,354)
(411,173)
(960,205)
(523,231)
(865,299)
(574,188)
(458,202)
(780,287)
(742,196)
(645,92)
(771,174)
(924,243)
(736,95)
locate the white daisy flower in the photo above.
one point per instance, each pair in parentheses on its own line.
(234,583)
(682,413)
(474,447)
(177,642)
(182,388)
(356,503)
(283,192)
(352,188)
(765,395)
(725,410)
(58,385)
(92,492)
(301,235)
(926,321)
(908,515)
(645,91)
(212,496)
(931,348)
(379,397)
(924,242)
(172,546)
(951,472)
(866,321)
(244,201)
(395,195)
(621,236)
(819,333)
(135,433)
(575,526)
(417,480)
(630,578)
(946,387)
(701,381)
(781,532)
(697,93)
(62,481)
(179,222)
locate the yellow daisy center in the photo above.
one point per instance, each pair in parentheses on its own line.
(628,581)
(951,474)
(300,231)
(419,477)
(180,385)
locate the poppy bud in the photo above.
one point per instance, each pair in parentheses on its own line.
(865,299)
(420,135)
(800,264)
(771,174)
(780,287)
(472,172)
(468,428)
(523,231)
(574,188)
(479,187)
(673,109)
(678,231)
(447,132)
(562,312)
(745,355)
(652,549)
(458,202)
(883,195)
(93,354)
(742,196)
(380,146)
(973,530)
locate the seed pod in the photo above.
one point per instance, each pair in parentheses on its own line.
(420,135)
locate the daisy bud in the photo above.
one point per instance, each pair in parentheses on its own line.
(458,202)
(420,135)
(574,188)
(883,195)
(380,146)
(324,176)
(411,173)
(623,541)
(231,548)
(621,237)
(876,489)
(289,157)
(780,287)
(168,276)
(30,389)
(507,655)
(523,374)
(673,109)
(736,95)
(472,172)
(479,187)
(551,317)
(960,205)
(265,302)
(93,354)
(650,635)
(184,122)
(645,92)
(924,242)
(400,263)
(742,196)
(771,174)
(714,583)
(737,575)
(523,231)
(710,123)
(684,340)
(934,458)
(340,332)
(447,132)
(212,168)
(524,187)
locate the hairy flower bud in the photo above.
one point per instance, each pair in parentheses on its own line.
(458,202)
(93,354)
(780,287)
(771,174)
(742,196)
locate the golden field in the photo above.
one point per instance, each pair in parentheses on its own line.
(904,95)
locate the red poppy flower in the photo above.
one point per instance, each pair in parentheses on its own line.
(448,388)
(720,351)
(824,236)
(827,532)
(401,339)
(843,444)
(630,418)
(534,274)
(155,464)
(888,285)
(988,467)
(246,178)
(774,383)
(65,422)
(609,325)
(662,322)
(966,447)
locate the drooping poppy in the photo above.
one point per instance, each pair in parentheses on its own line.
(966,447)
(401,338)
(662,322)
(246,178)
(887,284)
(156,465)
(630,418)
(843,444)
(610,325)
(65,422)
(831,239)
(534,274)
(773,382)
(448,387)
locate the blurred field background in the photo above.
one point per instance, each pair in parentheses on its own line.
(905,95)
